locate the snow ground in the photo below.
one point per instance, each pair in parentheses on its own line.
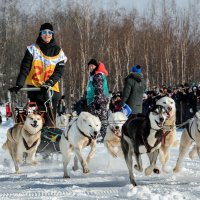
(45,181)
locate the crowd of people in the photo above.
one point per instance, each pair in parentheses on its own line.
(186,97)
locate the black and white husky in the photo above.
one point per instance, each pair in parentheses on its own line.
(140,135)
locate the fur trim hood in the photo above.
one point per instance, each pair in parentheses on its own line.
(136,76)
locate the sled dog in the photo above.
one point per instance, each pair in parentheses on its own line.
(63,120)
(79,133)
(24,138)
(169,130)
(140,135)
(112,140)
(190,134)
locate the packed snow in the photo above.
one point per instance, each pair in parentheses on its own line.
(45,180)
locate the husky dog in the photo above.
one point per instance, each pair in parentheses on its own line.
(24,138)
(190,134)
(63,120)
(112,140)
(169,130)
(80,133)
(141,135)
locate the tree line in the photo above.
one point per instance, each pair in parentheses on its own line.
(164,41)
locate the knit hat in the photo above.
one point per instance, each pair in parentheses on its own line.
(136,68)
(93,62)
(46,26)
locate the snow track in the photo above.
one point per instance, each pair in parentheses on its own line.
(45,180)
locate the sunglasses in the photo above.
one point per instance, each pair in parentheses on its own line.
(44,32)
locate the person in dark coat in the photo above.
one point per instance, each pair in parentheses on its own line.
(97,93)
(193,100)
(61,106)
(148,101)
(42,67)
(134,88)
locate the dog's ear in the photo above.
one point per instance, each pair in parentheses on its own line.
(151,108)
(198,115)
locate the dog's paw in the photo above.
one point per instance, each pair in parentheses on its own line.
(75,168)
(18,172)
(156,171)
(177,169)
(148,170)
(66,176)
(166,169)
(34,162)
(86,170)
(138,169)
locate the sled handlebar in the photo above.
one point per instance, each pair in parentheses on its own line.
(49,100)
(30,89)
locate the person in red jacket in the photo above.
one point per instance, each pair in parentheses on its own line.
(97,93)
(8,111)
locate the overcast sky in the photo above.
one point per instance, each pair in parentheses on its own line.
(140,5)
(30,7)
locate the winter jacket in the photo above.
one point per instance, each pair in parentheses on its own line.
(100,99)
(50,59)
(133,91)
(97,88)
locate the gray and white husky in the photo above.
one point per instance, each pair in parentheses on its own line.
(141,135)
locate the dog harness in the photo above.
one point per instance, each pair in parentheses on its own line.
(165,133)
(66,136)
(188,127)
(11,133)
(26,145)
(146,144)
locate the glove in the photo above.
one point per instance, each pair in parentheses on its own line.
(45,87)
(15,89)
(97,106)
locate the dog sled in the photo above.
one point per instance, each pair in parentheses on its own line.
(50,136)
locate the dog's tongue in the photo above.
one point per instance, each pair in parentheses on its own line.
(118,133)
(34,125)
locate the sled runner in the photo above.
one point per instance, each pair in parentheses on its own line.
(50,136)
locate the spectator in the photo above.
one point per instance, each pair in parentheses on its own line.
(8,111)
(97,93)
(134,88)
(61,105)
